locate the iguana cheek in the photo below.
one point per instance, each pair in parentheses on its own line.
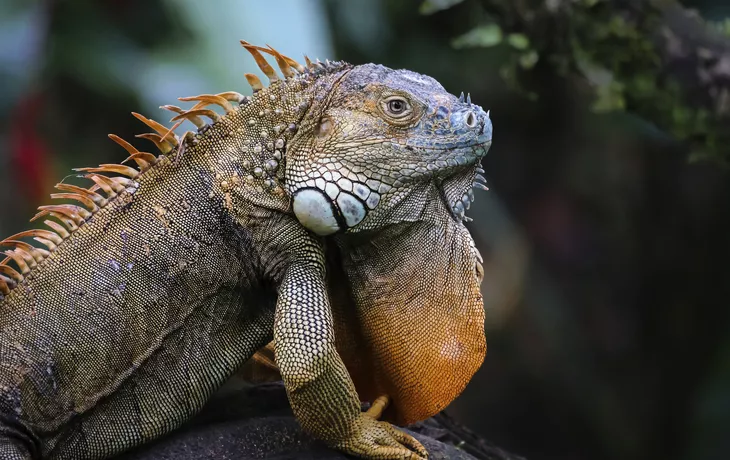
(316,211)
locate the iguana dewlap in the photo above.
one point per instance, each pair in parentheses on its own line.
(325,212)
(421,328)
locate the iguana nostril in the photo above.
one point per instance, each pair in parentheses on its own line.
(471,120)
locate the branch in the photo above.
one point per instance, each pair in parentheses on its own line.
(247,422)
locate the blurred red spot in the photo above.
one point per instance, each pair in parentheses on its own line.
(29,154)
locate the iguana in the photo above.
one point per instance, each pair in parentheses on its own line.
(325,213)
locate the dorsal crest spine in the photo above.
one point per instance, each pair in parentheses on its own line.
(110,180)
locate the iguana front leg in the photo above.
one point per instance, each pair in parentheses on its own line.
(320,389)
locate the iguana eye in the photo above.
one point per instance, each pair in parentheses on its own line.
(397,107)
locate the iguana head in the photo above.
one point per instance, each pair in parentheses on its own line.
(373,151)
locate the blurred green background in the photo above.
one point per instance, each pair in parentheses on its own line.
(606,248)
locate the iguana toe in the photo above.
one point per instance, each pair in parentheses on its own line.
(378,407)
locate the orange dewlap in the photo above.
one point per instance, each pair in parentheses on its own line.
(418,335)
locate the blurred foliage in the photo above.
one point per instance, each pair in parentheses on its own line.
(431,6)
(614,49)
(78,79)
(722,26)
(92,64)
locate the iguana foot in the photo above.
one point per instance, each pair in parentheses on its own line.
(377,440)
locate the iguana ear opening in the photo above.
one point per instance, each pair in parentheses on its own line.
(413,326)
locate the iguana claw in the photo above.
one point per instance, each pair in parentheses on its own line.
(377,407)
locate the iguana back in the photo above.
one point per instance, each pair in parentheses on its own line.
(158,278)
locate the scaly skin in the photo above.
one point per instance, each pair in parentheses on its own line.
(299,215)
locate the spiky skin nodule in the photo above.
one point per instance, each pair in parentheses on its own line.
(324,212)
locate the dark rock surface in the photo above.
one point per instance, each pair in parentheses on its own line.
(255,422)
